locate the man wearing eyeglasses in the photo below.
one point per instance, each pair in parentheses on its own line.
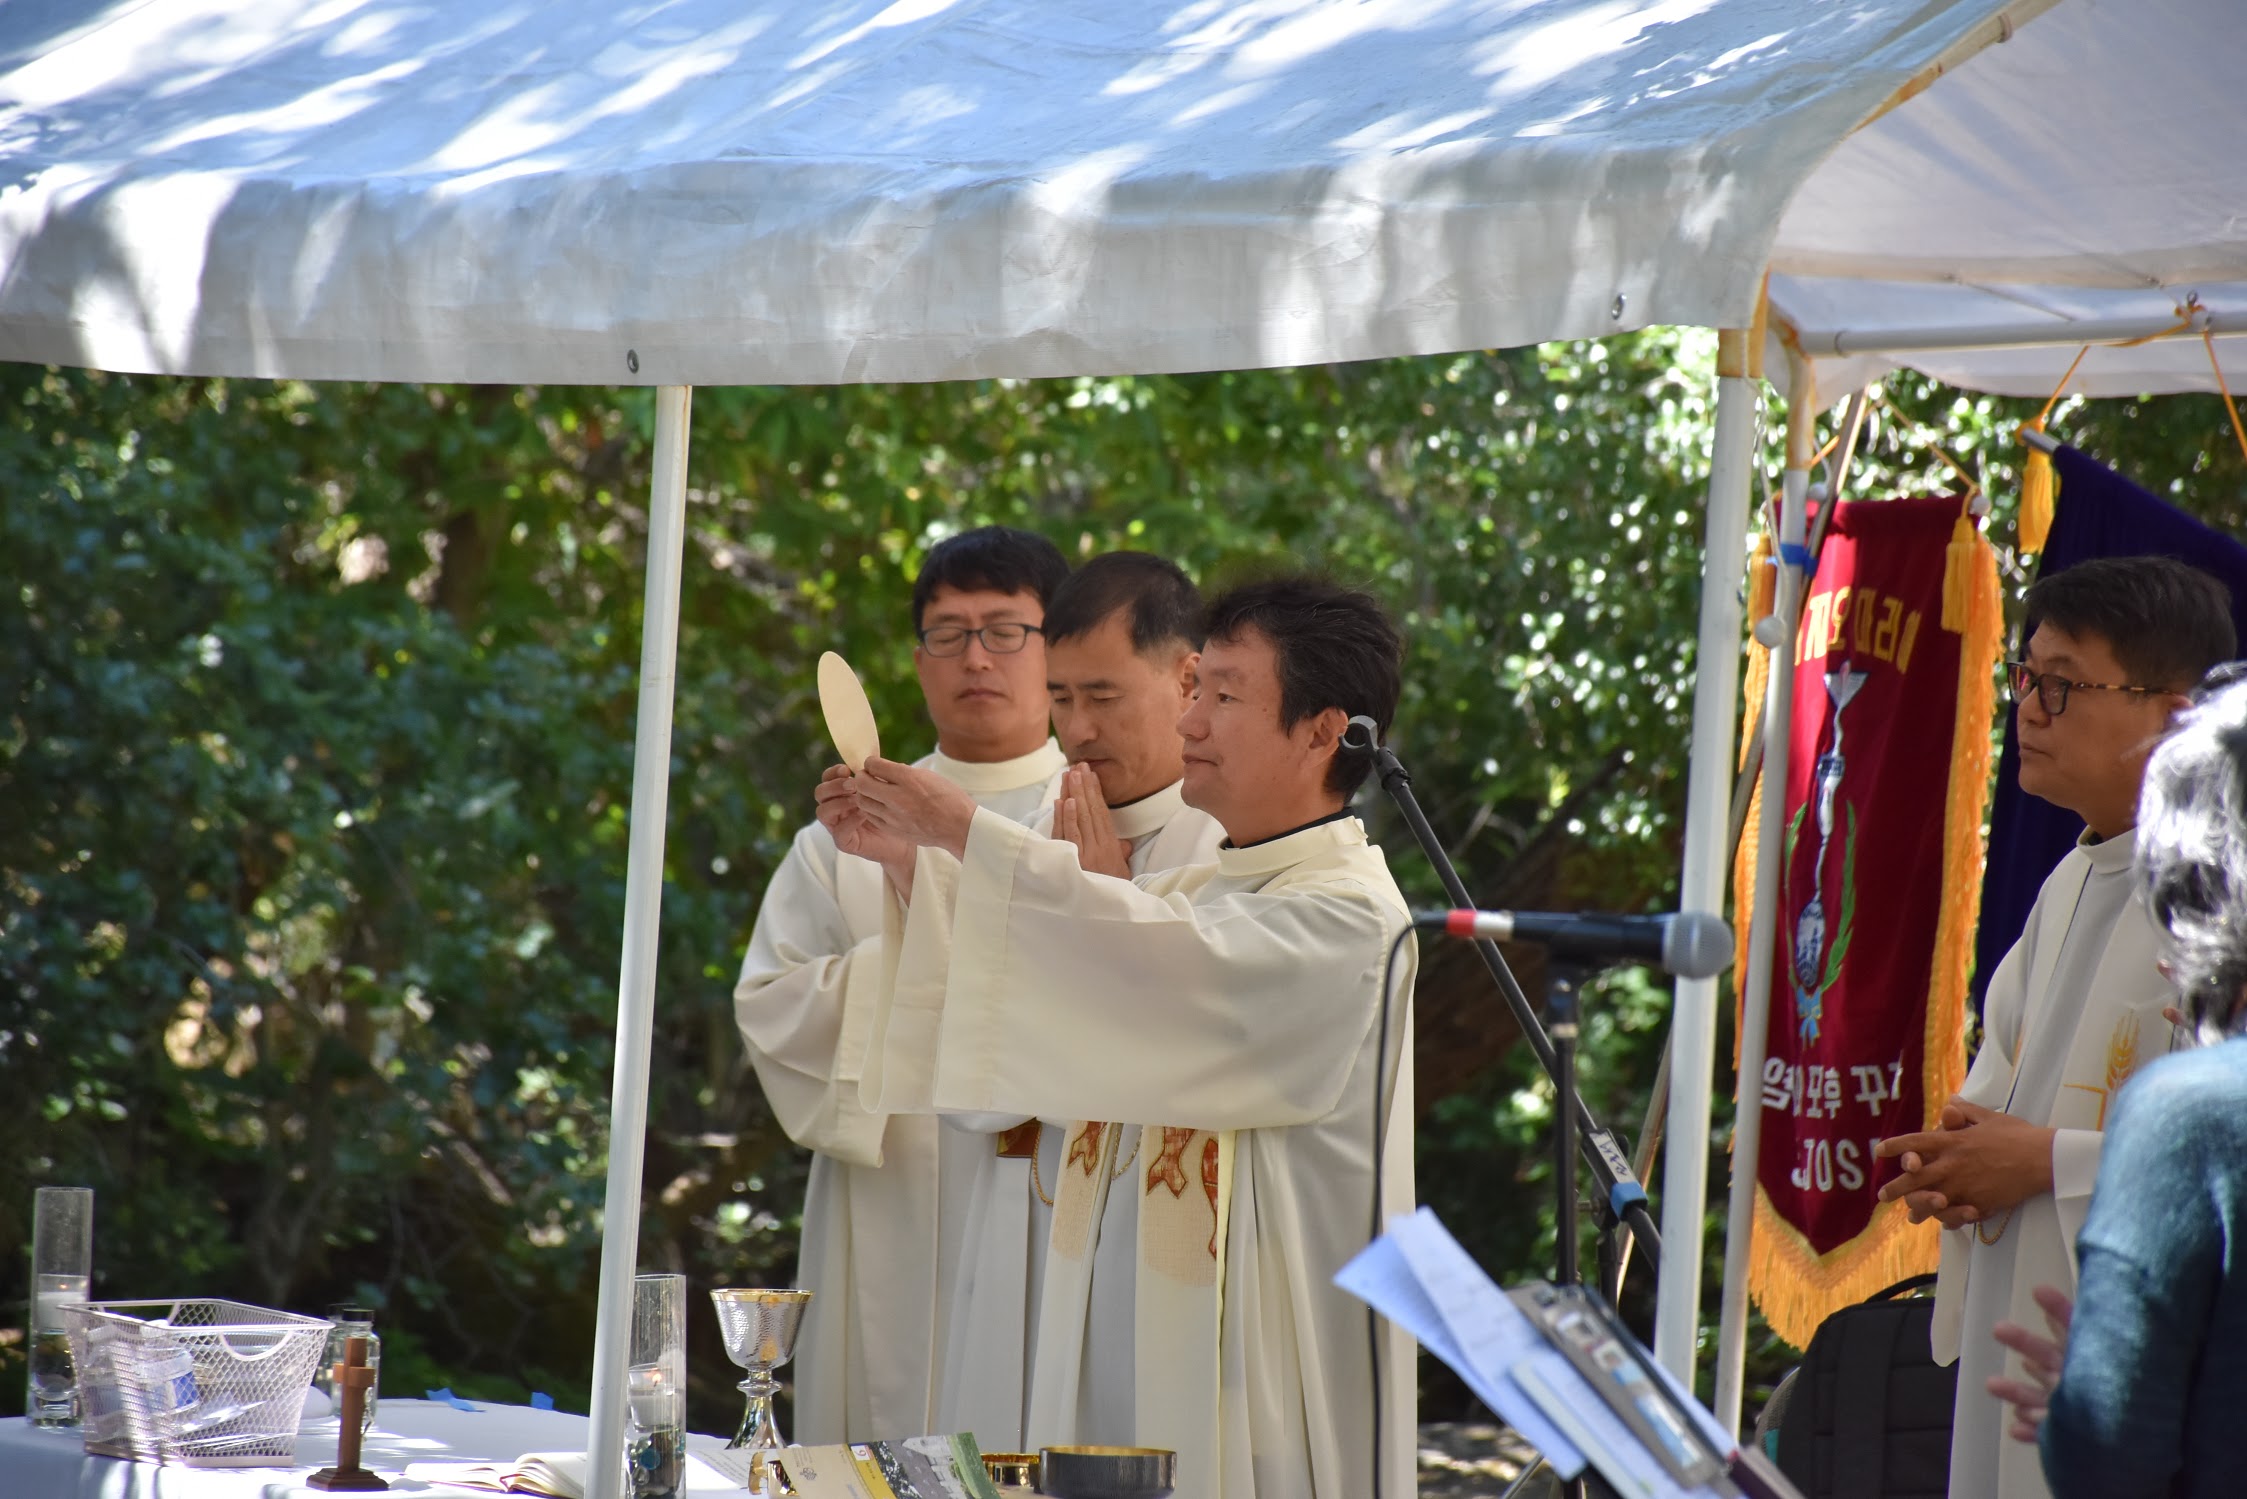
(1046,1283)
(887,1199)
(2076,1006)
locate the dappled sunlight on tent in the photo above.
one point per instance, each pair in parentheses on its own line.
(699,192)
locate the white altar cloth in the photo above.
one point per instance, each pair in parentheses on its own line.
(54,1464)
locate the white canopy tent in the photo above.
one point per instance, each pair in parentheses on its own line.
(681,192)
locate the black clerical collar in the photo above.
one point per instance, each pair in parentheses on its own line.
(1335,816)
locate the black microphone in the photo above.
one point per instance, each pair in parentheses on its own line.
(1690,944)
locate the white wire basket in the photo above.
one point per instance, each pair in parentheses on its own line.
(196,1382)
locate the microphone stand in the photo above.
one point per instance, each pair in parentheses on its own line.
(1562,979)
(1623,1199)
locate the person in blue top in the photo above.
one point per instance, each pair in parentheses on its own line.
(2151,1398)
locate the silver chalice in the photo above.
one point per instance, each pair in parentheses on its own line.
(759,1327)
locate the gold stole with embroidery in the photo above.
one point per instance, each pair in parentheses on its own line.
(1185,1181)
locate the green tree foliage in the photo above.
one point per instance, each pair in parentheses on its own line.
(315,772)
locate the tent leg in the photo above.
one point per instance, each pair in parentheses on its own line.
(1716,690)
(1778,740)
(643,900)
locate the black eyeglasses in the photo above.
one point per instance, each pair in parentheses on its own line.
(999,640)
(2052,691)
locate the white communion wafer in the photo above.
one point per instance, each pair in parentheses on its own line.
(850,718)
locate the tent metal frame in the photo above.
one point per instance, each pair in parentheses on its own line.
(1833,343)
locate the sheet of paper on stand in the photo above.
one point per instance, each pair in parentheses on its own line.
(1550,1380)
(1417,1275)
(1385,1280)
(1660,1413)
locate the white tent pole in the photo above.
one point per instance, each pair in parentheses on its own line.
(1832,343)
(1777,635)
(643,902)
(1708,795)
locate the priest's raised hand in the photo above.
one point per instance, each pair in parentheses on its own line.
(918,806)
(857,834)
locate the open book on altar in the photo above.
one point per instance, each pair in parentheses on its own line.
(561,1475)
(1557,1365)
(558,1475)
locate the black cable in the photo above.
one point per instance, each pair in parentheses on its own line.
(1380,1118)
(1626,1198)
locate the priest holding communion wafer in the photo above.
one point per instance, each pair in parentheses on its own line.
(1243,1011)
(1019,1369)
(885,1207)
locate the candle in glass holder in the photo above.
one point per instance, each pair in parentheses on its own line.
(655,1387)
(62,1267)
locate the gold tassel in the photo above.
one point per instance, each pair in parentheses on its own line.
(1959,571)
(2040,486)
(1763,582)
(2039,492)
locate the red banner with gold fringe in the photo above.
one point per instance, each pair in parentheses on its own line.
(1894,663)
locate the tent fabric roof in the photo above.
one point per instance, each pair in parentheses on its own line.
(746,191)
(2088,168)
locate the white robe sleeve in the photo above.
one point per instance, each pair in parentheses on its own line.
(805,1005)
(1024,984)
(1988,1082)
(2075,1167)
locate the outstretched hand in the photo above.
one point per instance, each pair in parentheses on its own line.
(845,819)
(1977,1165)
(1081,817)
(918,806)
(2041,1360)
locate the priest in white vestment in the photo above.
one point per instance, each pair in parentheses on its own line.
(1122,636)
(1246,1013)
(886,1205)
(2076,1007)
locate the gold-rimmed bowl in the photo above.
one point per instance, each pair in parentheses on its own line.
(1107,1472)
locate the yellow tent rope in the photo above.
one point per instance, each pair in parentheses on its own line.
(2040,486)
(1795,1286)
(2230,405)
(1973,485)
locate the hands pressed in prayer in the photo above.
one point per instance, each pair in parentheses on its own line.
(1081,817)
(2041,1359)
(855,833)
(1977,1165)
(917,806)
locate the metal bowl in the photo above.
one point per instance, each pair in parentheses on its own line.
(1107,1472)
(1017,1470)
